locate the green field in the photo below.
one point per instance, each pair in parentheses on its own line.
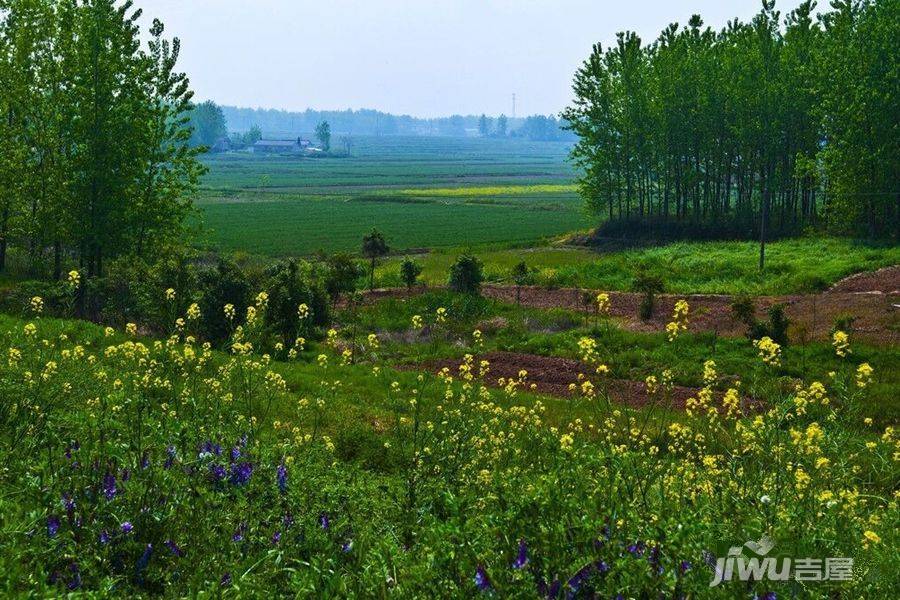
(421,192)
(794,266)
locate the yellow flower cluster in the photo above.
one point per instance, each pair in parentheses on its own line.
(841,342)
(679,321)
(769,351)
(603,304)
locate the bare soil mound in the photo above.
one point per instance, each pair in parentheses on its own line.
(886,281)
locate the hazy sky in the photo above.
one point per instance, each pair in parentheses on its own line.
(418,57)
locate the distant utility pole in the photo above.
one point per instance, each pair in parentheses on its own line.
(514,107)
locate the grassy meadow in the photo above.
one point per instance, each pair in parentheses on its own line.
(798,265)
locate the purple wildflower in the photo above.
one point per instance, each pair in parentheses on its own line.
(685,566)
(226,580)
(68,503)
(577,580)
(109,486)
(287,521)
(522,556)
(482,582)
(144,560)
(104,537)
(217,472)
(127,527)
(241,473)
(549,592)
(770,596)
(170,457)
(52,525)
(347,546)
(235,453)
(637,549)
(145,461)
(602,567)
(276,537)
(281,476)
(175,548)
(238,535)
(75,582)
(324,521)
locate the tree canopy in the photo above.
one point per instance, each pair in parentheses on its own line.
(786,123)
(94,154)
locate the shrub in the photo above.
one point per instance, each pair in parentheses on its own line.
(288,287)
(224,284)
(409,272)
(341,275)
(778,324)
(466,274)
(648,285)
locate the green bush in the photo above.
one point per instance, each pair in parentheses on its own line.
(409,272)
(219,286)
(466,274)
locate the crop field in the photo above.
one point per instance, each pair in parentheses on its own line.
(421,192)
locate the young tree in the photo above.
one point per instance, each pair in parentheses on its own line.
(323,134)
(409,272)
(521,275)
(341,275)
(373,248)
(466,274)
(484,126)
(502,124)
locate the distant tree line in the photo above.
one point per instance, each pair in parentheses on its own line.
(285,124)
(94,159)
(777,124)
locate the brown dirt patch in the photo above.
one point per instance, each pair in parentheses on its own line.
(871,299)
(886,281)
(552,376)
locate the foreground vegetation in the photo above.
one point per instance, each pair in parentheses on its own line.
(800,265)
(164,466)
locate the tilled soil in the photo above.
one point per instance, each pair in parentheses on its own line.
(552,376)
(872,300)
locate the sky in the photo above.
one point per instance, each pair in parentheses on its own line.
(424,58)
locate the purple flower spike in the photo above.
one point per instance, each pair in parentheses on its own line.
(175,548)
(52,525)
(127,527)
(104,537)
(144,560)
(685,566)
(522,557)
(347,546)
(281,476)
(170,457)
(770,596)
(482,582)
(235,453)
(75,582)
(226,580)
(324,521)
(109,486)
(145,461)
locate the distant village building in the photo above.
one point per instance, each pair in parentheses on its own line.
(281,146)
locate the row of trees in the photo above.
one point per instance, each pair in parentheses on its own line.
(776,122)
(94,159)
